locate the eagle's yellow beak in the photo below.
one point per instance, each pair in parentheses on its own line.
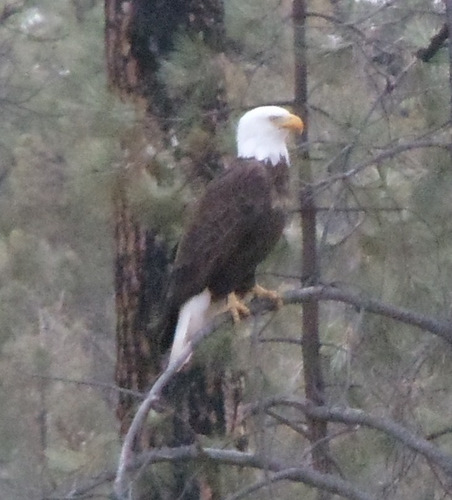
(292,122)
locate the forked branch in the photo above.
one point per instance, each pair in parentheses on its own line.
(441,328)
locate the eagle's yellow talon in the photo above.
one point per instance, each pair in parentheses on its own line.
(236,307)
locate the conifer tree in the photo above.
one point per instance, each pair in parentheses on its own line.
(141,40)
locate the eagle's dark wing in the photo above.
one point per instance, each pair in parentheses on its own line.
(230,211)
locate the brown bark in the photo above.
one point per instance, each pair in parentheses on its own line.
(138,34)
(140,268)
(121,66)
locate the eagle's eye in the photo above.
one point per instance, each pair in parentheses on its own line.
(277,120)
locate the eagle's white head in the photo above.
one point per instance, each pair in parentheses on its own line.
(262,133)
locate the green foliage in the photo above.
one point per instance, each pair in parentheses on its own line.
(385,231)
(190,73)
(58,146)
(257,31)
(159,207)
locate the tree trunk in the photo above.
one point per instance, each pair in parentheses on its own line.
(313,377)
(138,35)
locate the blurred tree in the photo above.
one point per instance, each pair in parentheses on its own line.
(55,264)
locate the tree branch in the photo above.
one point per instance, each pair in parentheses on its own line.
(89,383)
(84,491)
(380,158)
(127,454)
(352,416)
(440,328)
(437,434)
(436,43)
(306,475)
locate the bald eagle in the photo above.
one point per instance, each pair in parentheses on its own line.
(234,226)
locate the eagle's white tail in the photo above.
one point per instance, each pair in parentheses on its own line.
(191,318)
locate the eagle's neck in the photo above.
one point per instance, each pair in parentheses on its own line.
(263,149)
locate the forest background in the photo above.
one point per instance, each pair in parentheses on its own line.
(379,136)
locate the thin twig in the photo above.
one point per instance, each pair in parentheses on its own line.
(351,416)
(380,158)
(89,383)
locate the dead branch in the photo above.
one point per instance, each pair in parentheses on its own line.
(436,43)
(306,475)
(441,328)
(88,383)
(380,158)
(351,416)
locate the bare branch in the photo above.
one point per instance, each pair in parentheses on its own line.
(438,327)
(298,428)
(84,491)
(352,416)
(121,484)
(380,158)
(436,43)
(440,433)
(306,475)
(89,383)
(441,328)
(127,454)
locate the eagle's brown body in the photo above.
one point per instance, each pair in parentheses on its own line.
(233,228)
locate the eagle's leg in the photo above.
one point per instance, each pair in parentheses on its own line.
(237,307)
(264,293)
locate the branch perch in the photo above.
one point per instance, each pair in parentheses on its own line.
(441,328)
(306,475)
